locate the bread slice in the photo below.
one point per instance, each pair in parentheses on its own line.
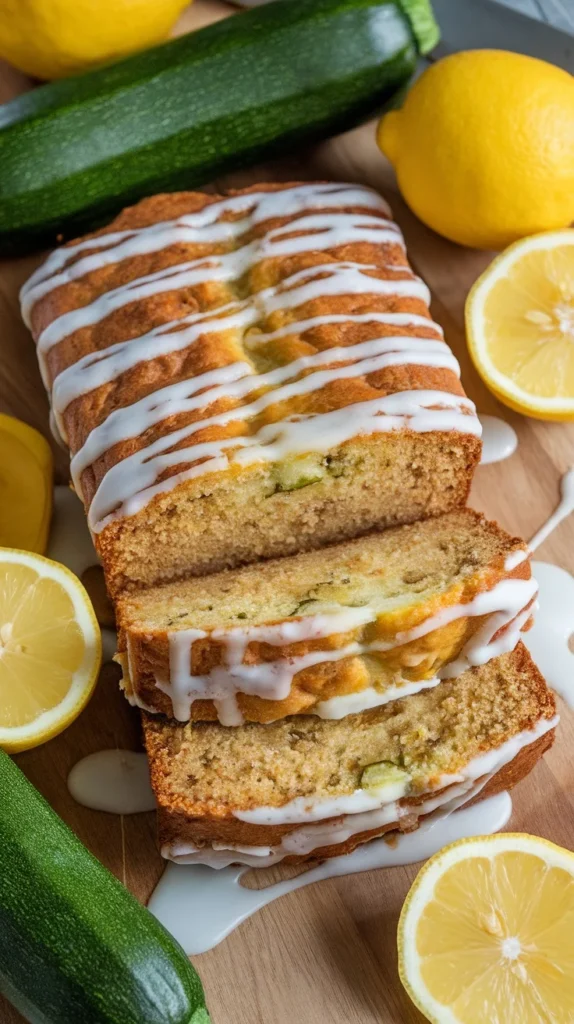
(290,788)
(246,376)
(328,632)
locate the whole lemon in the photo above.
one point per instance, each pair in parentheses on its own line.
(54,38)
(483,147)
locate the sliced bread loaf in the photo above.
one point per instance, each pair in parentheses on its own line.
(329,632)
(304,786)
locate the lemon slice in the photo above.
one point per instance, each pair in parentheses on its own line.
(520,326)
(50,649)
(486,933)
(25,486)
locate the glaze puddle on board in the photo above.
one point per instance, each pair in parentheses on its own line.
(116,781)
(70,543)
(562,510)
(553,626)
(200,906)
(548,640)
(499,439)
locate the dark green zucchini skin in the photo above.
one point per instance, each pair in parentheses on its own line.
(75,946)
(249,87)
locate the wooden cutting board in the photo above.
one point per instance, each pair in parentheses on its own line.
(326,953)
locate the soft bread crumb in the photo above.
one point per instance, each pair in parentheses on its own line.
(208,770)
(405,575)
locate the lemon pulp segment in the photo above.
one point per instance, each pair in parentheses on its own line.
(50,649)
(520,323)
(488,933)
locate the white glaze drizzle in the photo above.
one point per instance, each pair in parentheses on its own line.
(507,605)
(99,368)
(343,278)
(359,811)
(147,240)
(237,381)
(271,680)
(327,231)
(233,265)
(304,841)
(200,907)
(184,396)
(515,558)
(254,339)
(130,484)
(182,275)
(96,369)
(353,703)
(563,509)
(549,639)
(121,245)
(273,441)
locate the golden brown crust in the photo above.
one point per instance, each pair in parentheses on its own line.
(472,542)
(444,475)
(218,349)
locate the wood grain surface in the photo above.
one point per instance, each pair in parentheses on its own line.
(326,953)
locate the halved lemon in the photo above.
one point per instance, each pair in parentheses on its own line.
(50,649)
(487,933)
(520,326)
(25,486)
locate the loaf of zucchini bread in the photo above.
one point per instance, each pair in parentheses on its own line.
(328,632)
(246,376)
(303,787)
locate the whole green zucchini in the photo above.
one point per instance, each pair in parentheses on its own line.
(75,946)
(249,87)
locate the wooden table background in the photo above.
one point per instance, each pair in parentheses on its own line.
(326,953)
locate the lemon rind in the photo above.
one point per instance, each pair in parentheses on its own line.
(422,891)
(53,721)
(504,389)
(39,450)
